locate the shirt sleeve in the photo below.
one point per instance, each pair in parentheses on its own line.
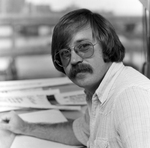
(81,128)
(133,118)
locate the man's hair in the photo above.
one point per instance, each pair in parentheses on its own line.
(102,30)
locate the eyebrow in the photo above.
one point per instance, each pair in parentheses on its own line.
(81,40)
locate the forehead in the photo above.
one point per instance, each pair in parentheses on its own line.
(81,35)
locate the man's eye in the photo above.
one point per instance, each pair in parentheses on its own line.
(65,54)
(84,47)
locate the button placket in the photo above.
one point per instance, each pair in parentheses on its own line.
(93,113)
(94,105)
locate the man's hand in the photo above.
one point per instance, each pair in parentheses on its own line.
(12,122)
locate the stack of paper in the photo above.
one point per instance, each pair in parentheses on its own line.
(38,100)
(37,83)
(16,95)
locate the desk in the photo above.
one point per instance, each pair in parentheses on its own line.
(6,138)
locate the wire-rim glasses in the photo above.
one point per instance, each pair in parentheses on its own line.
(85,50)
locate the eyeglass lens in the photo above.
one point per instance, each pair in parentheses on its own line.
(84,50)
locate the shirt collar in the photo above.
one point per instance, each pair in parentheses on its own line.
(108,81)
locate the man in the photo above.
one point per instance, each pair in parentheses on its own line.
(86,48)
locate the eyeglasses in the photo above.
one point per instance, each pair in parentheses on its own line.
(84,50)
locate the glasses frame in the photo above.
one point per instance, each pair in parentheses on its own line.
(59,61)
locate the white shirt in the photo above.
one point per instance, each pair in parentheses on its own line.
(119,116)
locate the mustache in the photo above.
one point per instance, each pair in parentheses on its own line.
(80,68)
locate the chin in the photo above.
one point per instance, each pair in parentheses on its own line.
(82,81)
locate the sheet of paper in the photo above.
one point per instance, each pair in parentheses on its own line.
(71,98)
(23,90)
(31,142)
(24,84)
(27,99)
(26,92)
(31,99)
(8,108)
(39,102)
(50,116)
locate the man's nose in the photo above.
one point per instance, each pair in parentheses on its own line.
(75,58)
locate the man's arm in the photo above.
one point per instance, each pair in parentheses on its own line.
(60,132)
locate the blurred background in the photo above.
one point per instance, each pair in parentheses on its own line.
(26,27)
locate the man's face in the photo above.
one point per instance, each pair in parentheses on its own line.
(86,72)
